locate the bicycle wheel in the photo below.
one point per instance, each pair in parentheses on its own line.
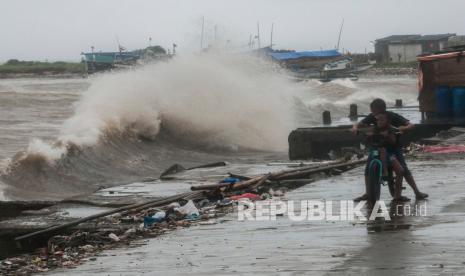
(375,178)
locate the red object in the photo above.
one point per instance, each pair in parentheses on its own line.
(444,149)
(441,56)
(250,196)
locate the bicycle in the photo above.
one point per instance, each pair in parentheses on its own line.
(375,170)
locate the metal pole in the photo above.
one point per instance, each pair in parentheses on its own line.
(258,34)
(340,33)
(201,35)
(271,38)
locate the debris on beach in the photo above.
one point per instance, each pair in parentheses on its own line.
(67,248)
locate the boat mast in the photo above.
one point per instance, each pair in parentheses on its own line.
(340,33)
(258,34)
(271,36)
(201,34)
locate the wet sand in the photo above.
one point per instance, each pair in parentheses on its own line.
(414,245)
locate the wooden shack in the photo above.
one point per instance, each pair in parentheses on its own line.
(442,69)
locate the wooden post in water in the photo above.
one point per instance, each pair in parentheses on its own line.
(398,103)
(327,117)
(353,112)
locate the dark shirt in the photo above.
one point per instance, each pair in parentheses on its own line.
(396,119)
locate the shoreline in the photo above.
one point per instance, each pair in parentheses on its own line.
(373,71)
(42,75)
(390,71)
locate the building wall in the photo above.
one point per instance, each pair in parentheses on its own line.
(404,52)
(381,52)
(433,46)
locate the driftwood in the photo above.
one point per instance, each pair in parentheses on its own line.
(166,201)
(230,186)
(241,177)
(282,175)
(210,165)
(304,173)
(137,206)
(278,174)
(245,184)
(177,168)
(257,181)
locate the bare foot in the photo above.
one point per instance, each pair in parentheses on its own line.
(361,198)
(421,195)
(401,199)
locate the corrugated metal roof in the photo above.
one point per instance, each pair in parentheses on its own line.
(435,37)
(304,54)
(398,38)
(413,38)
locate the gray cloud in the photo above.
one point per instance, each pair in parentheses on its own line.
(60,30)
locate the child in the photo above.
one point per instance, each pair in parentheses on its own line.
(387,138)
(379,106)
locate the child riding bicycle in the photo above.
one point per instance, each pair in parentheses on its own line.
(386,137)
(379,106)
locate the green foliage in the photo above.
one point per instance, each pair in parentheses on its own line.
(14,66)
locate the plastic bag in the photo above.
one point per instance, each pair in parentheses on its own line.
(158,217)
(189,209)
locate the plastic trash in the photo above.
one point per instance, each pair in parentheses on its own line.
(225,202)
(158,217)
(113,237)
(203,203)
(192,216)
(250,196)
(231,180)
(189,209)
(444,149)
(174,205)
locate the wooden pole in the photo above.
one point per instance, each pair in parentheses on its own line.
(282,175)
(353,112)
(258,34)
(326,117)
(304,173)
(234,186)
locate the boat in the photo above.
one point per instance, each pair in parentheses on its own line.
(103,61)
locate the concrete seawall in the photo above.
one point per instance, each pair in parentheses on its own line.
(317,142)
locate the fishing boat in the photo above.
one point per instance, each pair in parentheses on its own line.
(102,61)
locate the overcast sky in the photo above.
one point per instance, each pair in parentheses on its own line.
(61,30)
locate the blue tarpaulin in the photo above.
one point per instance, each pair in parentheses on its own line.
(296,55)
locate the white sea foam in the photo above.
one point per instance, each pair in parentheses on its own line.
(228,100)
(38,147)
